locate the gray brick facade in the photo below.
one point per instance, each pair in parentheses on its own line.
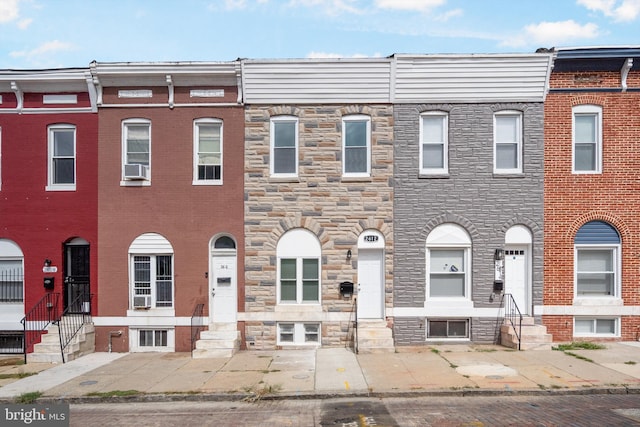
(472,196)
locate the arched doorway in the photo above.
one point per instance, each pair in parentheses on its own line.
(517,266)
(371,275)
(76,289)
(223,280)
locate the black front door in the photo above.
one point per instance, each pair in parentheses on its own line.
(76,281)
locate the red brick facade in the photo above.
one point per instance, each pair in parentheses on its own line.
(572,200)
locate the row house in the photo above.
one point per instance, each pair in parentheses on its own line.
(468,193)
(170,205)
(48,197)
(592,198)
(318,203)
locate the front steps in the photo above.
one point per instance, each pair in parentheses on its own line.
(374,336)
(534,337)
(221,340)
(48,349)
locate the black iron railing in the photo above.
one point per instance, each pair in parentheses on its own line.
(35,322)
(74,317)
(197,325)
(355,324)
(512,315)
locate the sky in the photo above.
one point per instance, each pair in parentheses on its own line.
(43,34)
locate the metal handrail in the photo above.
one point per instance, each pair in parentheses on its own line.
(355,324)
(34,323)
(197,325)
(74,317)
(513,315)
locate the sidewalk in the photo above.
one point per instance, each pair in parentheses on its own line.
(330,372)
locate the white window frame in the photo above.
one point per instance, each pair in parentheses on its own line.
(134,340)
(125,129)
(444,143)
(518,142)
(20,274)
(356,118)
(196,151)
(615,248)
(587,110)
(298,330)
(299,244)
(594,321)
(51,158)
(449,237)
(466,337)
(153,279)
(273,123)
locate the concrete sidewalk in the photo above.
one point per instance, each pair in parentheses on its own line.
(329,372)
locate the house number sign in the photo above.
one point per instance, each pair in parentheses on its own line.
(371,238)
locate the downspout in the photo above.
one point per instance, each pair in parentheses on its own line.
(113,334)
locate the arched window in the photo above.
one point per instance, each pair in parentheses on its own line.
(224,242)
(299,254)
(448,262)
(151,271)
(597,260)
(11,272)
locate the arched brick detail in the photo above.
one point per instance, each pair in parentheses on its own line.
(449,218)
(588,99)
(296,221)
(621,227)
(355,109)
(509,107)
(536,231)
(425,108)
(285,110)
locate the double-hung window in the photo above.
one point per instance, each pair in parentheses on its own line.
(587,139)
(136,149)
(434,143)
(11,280)
(152,280)
(62,157)
(597,261)
(298,271)
(284,146)
(507,152)
(207,151)
(448,266)
(356,146)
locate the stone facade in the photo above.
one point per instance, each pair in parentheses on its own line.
(472,196)
(336,209)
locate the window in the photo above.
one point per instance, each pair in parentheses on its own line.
(508,142)
(11,280)
(299,268)
(597,245)
(448,249)
(445,328)
(151,272)
(284,146)
(208,151)
(434,143)
(62,157)
(152,338)
(136,149)
(298,334)
(587,139)
(356,145)
(595,327)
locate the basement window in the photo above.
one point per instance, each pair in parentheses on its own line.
(448,329)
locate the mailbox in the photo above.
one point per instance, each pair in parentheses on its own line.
(49,283)
(346,289)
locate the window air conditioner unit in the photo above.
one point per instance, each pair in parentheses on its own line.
(142,301)
(135,171)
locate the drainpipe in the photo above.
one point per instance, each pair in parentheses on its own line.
(113,334)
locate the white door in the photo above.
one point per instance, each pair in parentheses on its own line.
(516,276)
(370,284)
(223,289)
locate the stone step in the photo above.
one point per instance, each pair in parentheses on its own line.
(213,353)
(219,335)
(217,344)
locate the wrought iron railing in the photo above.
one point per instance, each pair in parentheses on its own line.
(512,315)
(355,324)
(35,322)
(197,325)
(74,317)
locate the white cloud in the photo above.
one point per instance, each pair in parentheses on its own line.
(24,23)
(9,10)
(553,34)
(44,49)
(331,7)
(448,15)
(320,55)
(419,5)
(235,4)
(619,10)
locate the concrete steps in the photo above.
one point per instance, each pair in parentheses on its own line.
(48,349)
(375,337)
(533,337)
(221,340)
